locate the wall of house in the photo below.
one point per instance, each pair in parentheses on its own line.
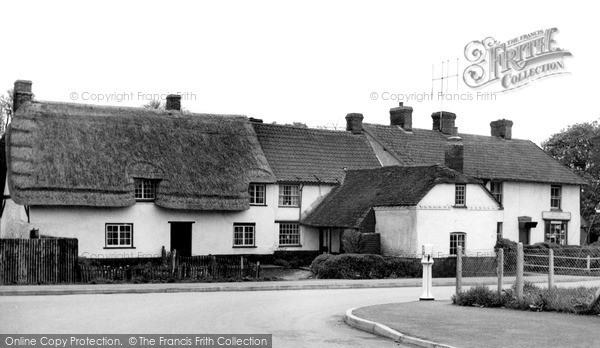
(212,232)
(437,217)
(397,227)
(533,199)
(13,221)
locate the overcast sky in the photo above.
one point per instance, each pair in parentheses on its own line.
(303,61)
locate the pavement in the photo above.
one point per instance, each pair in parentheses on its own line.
(441,324)
(306,284)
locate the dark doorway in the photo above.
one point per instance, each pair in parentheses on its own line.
(181,238)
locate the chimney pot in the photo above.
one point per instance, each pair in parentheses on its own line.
(443,121)
(173,102)
(502,129)
(402,116)
(21,93)
(354,123)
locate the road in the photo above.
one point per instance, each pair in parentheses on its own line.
(297,318)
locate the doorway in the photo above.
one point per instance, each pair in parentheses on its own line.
(181,238)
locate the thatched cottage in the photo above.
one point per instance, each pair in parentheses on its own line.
(129,181)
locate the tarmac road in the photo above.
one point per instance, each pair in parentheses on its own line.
(297,318)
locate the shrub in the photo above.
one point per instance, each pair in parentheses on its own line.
(353,242)
(283,263)
(317,264)
(364,266)
(403,268)
(480,296)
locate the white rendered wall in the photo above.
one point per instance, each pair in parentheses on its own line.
(212,232)
(532,199)
(397,227)
(437,217)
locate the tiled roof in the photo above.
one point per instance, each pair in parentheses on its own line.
(348,205)
(298,154)
(485,157)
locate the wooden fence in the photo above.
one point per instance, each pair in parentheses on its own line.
(173,268)
(38,261)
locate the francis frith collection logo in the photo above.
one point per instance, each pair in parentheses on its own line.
(516,62)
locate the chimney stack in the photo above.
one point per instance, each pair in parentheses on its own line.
(354,123)
(454,153)
(443,121)
(402,116)
(173,102)
(502,129)
(21,94)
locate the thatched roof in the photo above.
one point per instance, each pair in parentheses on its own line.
(87,155)
(348,205)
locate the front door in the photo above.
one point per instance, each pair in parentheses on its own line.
(181,238)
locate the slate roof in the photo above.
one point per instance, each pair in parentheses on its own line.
(348,205)
(485,157)
(88,155)
(309,155)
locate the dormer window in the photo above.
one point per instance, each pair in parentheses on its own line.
(145,189)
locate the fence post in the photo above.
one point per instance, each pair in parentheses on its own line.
(500,270)
(589,263)
(173,260)
(519,282)
(550,268)
(459,269)
(241,267)
(257,269)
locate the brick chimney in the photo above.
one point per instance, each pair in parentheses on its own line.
(173,102)
(354,123)
(502,129)
(402,116)
(454,153)
(443,121)
(22,93)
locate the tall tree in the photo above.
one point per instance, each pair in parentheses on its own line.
(578,147)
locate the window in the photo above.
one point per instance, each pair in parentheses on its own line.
(457,239)
(555,196)
(243,235)
(556,232)
(257,194)
(289,234)
(496,191)
(288,195)
(119,235)
(460,194)
(499,232)
(145,189)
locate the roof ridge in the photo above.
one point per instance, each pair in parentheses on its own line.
(289,126)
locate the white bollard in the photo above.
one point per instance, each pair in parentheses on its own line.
(427,262)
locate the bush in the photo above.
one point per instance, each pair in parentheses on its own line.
(364,266)
(353,242)
(317,265)
(582,300)
(403,268)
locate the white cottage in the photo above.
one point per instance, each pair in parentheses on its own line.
(539,197)
(127,182)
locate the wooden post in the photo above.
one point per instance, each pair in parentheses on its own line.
(173,260)
(589,263)
(459,269)
(500,270)
(519,282)
(257,269)
(241,266)
(550,268)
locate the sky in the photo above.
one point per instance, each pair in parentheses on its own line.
(302,61)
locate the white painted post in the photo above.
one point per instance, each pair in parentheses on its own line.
(427,262)
(519,282)
(589,263)
(550,268)
(500,270)
(459,269)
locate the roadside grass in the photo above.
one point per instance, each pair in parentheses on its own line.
(579,300)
